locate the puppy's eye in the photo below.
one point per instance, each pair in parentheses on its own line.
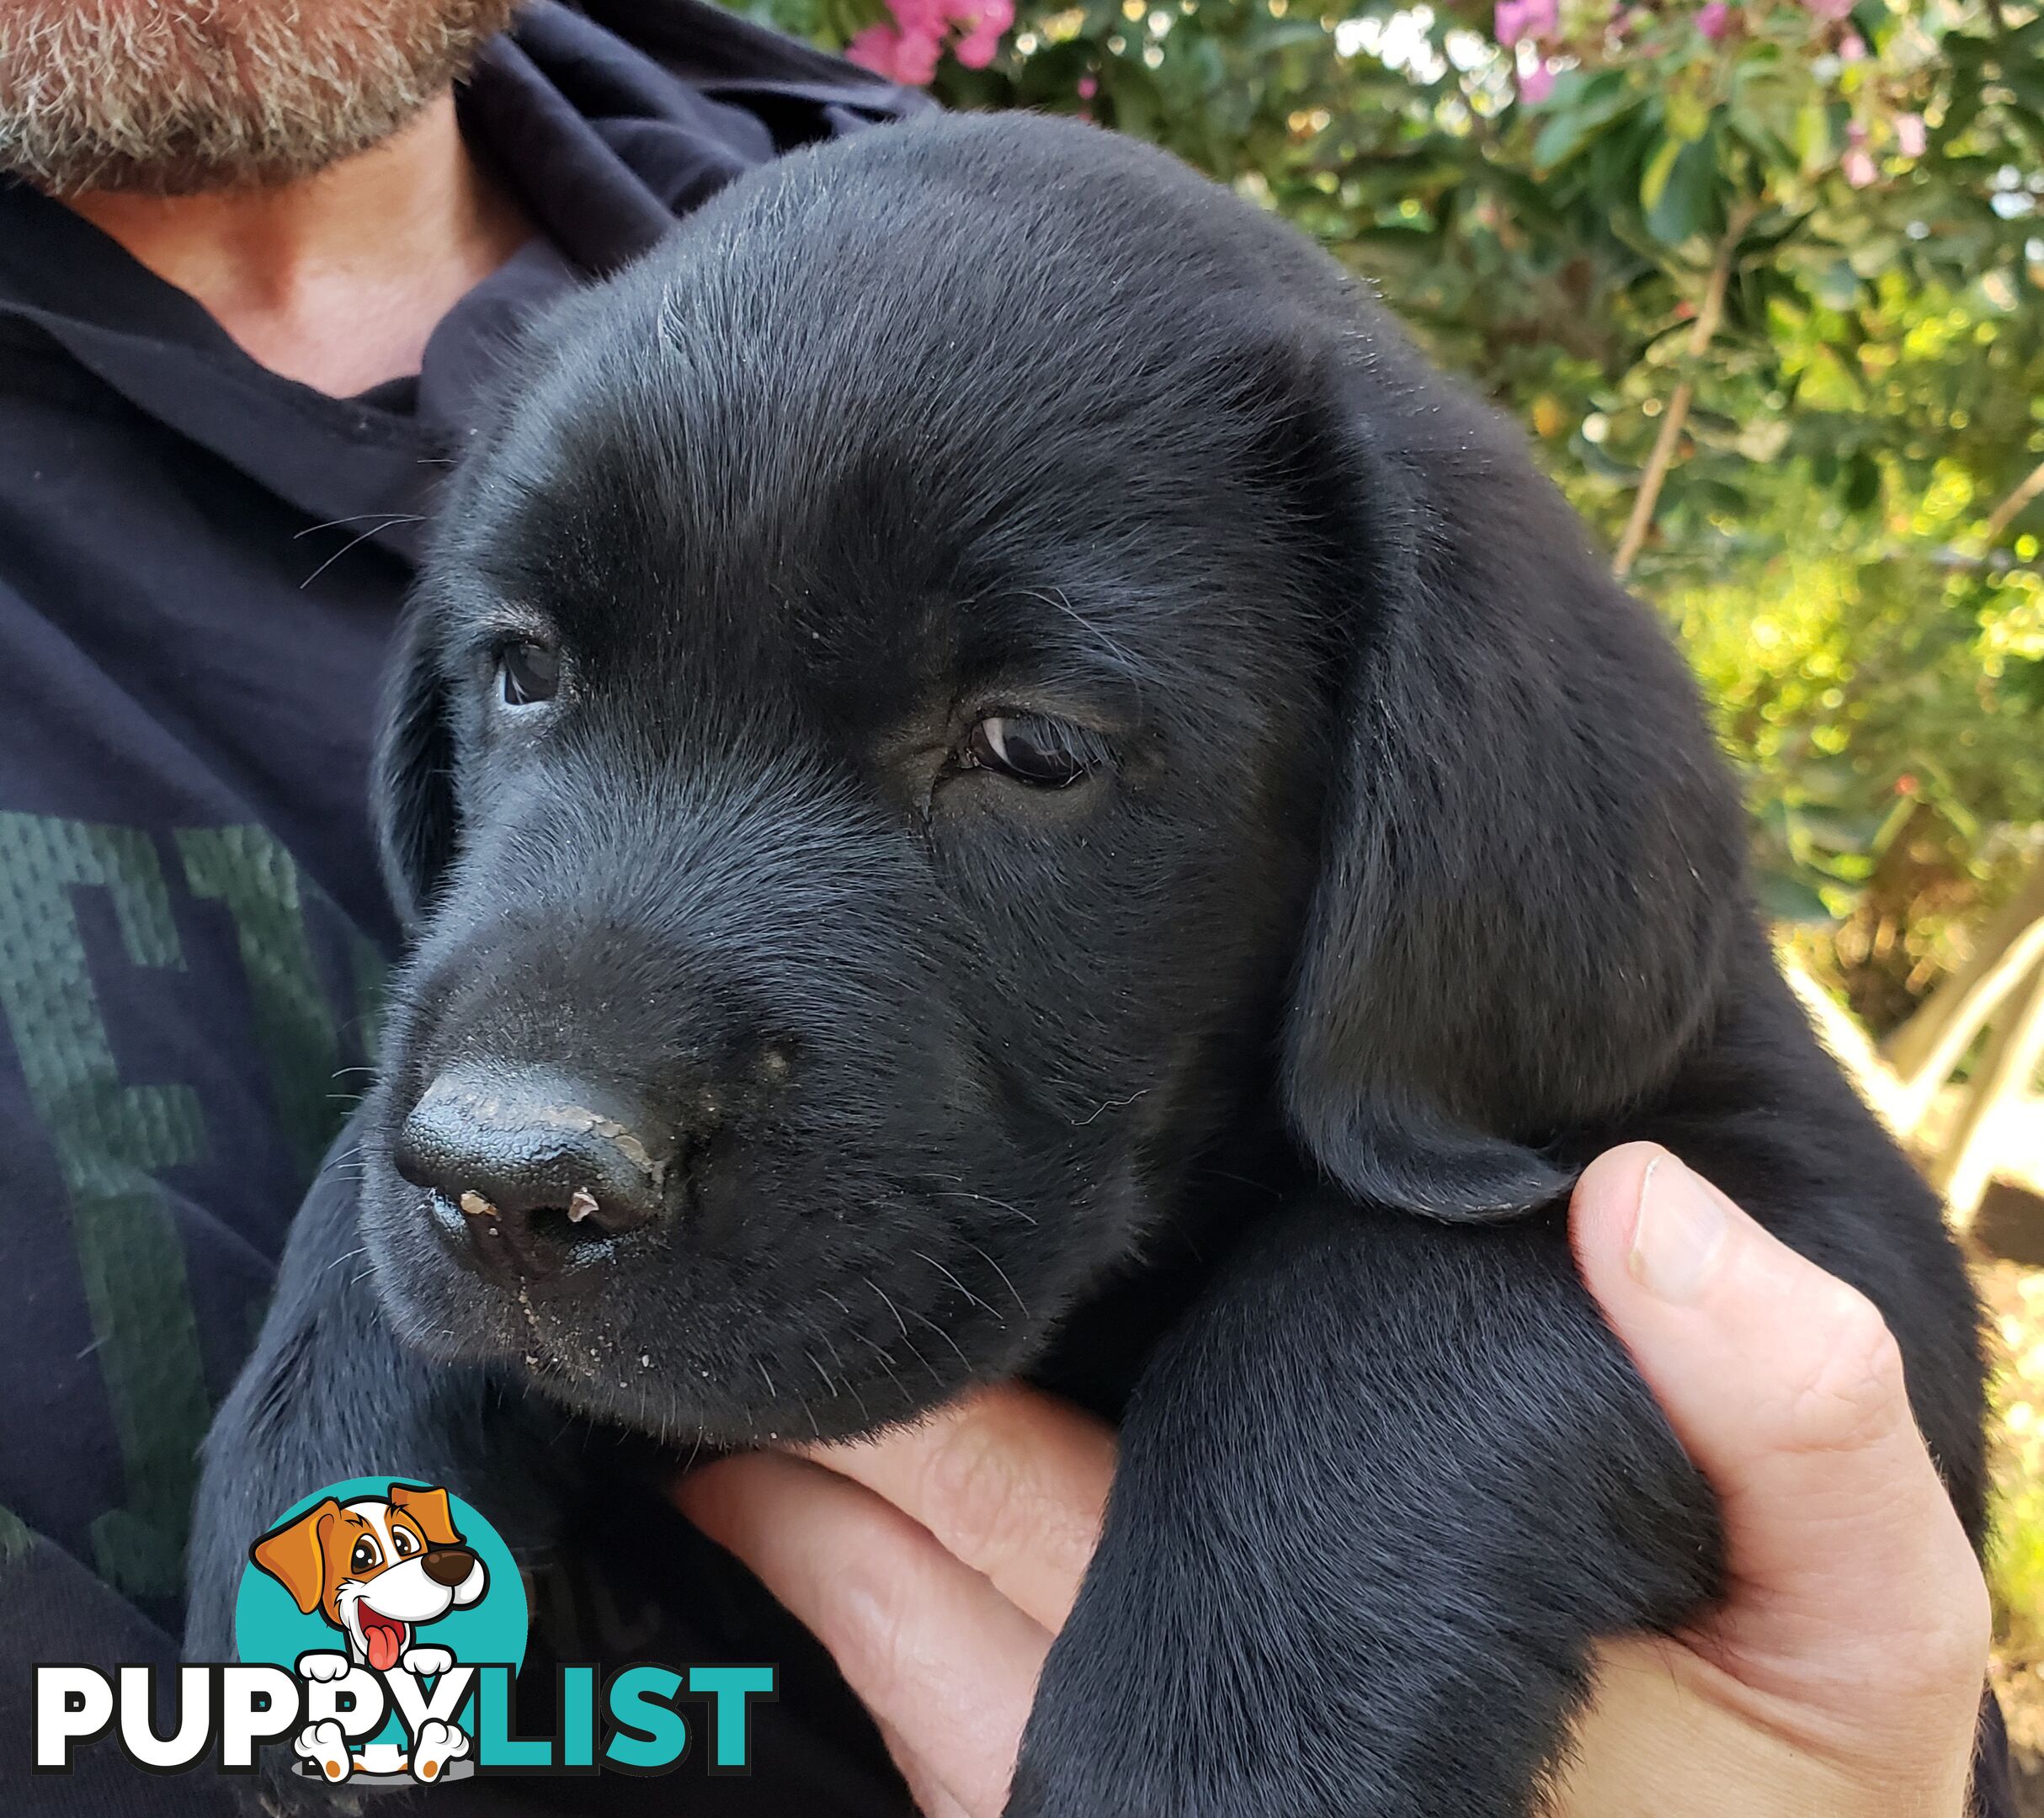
(366,1556)
(403,1542)
(530,672)
(1033,748)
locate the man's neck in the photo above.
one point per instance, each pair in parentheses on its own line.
(337,278)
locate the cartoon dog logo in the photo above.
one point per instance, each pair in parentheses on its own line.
(378,1569)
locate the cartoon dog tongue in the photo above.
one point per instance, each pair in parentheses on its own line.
(383,1638)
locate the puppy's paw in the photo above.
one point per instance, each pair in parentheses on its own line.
(322,1667)
(436,1745)
(427,1662)
(323,1744)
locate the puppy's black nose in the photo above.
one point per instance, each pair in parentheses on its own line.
(533,1165)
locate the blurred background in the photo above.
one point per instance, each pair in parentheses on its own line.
(1765,284)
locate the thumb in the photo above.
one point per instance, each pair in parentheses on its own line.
(1846,1561)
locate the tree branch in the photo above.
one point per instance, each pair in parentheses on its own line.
(1702,333)
(2007,511)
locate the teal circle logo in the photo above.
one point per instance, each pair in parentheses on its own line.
(372,1590)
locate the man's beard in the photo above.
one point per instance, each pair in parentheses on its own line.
(175,96)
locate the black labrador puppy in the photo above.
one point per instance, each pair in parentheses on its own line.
(992,776)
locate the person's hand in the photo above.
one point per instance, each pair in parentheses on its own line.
(1843,1674)
(1840,1678)
(935,1563)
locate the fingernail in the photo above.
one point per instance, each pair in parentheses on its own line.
(1678,1233)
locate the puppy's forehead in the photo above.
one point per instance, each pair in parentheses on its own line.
(882,519)
(941,409)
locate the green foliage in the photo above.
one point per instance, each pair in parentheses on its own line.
(1875,388)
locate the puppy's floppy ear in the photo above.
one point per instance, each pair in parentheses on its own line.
(412,790)
(294,1556)
(428,1507)
(1531,862)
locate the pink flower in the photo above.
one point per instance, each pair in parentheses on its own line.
(984,31)
(1537,83)
(1910,134)
(907,51)
(900,56)
(873,49)
(916,63)
(1527,19)
(1859,168)
(1715,20)
(1852,48)
(976,48)
(1088,87)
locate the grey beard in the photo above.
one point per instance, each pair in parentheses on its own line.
(177,97)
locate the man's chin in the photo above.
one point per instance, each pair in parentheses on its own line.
(137,96)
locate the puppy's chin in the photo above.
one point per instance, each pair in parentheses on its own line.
(734,1369)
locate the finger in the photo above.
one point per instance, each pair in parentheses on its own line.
(933,1798)
(1786,1389)
(931,1648)
(1010,1481)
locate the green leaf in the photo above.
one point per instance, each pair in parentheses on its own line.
(1602,466)
(1128,87)
(1682,205)
(1787,898)
(1571,126)
(1653,183)
(1816,145)
(1875,254)
(1688,115)
(1837,285)
(2027,85)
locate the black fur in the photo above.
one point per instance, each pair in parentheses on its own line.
(1233,1090)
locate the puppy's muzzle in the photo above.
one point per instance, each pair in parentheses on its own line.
(533,1167)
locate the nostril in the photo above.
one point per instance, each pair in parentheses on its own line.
(584,1214)
(513,1242)
(614,1219)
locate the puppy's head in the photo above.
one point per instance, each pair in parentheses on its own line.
(981,664)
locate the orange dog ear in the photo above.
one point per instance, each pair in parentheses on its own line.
(293,1555)
(428,1508)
